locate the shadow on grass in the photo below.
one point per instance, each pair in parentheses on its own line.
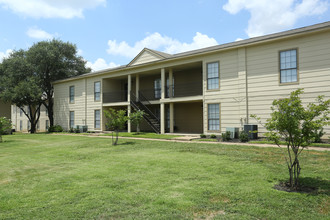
(311,185)
(126,143)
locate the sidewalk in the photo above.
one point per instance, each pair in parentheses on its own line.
(187,139)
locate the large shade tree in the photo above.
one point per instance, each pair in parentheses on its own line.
(20,86)
(54,60)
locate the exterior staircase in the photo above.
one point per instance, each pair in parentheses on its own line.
(150,118)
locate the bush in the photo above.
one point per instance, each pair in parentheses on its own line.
(225,136)
(76,130)
(213,136)
(243,136)
(318,135)
(71,130)
(55,128)
(203,136)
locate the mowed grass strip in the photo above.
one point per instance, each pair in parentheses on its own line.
(70,177)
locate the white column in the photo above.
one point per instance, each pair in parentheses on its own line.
(162,118)
(129,121)
(137,87)
(170,79)
(129,87)
(172,117)
(163,83)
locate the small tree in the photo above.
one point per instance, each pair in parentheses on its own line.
(296,125)
(136,119)
(116,121)
(5,126)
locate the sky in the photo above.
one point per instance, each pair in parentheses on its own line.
(109,33)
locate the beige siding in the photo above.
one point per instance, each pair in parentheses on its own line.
(263,72)
(145,57)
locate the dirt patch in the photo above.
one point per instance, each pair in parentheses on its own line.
(284,186)
(208,215)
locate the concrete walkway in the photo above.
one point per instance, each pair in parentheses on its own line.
(187,139)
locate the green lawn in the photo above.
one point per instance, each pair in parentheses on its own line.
(144,135)
(72,177)
(324,145)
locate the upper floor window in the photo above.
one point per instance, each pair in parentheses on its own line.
(288,66)
(97,91)
(71,91)
(158,88)
(213,75)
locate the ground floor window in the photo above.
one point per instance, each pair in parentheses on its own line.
(213,117)
(20,125)
(47,124)
(71,123)
(97,119)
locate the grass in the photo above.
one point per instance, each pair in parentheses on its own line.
(144,135)
(325,145)
(206,139)
(75,177)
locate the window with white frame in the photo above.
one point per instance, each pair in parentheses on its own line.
(71,119)
(288,66)
(97,91)
(212,75)
(97,119)
(158,88)
(71,94)
(213,117)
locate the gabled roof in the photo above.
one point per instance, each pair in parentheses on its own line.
(147,55)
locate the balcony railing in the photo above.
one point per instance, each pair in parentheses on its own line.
(174,91)
(115,96)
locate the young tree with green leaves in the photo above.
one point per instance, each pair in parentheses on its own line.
(5,126)
(296,124)
(20,86)
(136,119)
(54,60)
(116,120)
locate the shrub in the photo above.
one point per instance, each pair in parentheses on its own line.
(71,130)
(318,135)
(55,128)
(203,136)
(213,136)
(243,136)
(76,130)
(225,136)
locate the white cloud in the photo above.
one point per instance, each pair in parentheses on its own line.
(5,54)
(100,64)
(158,42)
(39,34)
(51,8)
(276,15)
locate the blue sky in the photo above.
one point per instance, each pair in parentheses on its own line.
(111,32)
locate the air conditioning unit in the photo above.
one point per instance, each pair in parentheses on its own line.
(252,131)
(233,132)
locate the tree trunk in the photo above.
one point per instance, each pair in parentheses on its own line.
(50,111)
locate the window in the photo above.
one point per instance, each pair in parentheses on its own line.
(97,91)
(47,124)
(168,87)
(213,117)
(213,75)
(71,122)
(20,112)
(20,125)
(288,66)
(38,125)
(28,125)
(158,88)
(97,119)
(71,94)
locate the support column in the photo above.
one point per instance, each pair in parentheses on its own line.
(137,87)
(171,117)
(170,79)
(129,87)
(162,118)
(162,105)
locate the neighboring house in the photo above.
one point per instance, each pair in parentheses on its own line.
(205,90)
(5,109)
(21,122)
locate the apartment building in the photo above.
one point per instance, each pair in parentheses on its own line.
(205,90)
(22,124)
